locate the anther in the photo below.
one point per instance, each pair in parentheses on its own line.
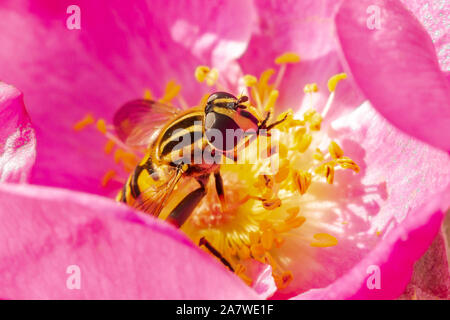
(201,72)
(304,142)
(303,180)
(270,105)
(335,150)
(324,240)
(107,177)
(101,126)
(171,91)
(272,204)
(109,146)
(87,120)
(334,80)
(250,80)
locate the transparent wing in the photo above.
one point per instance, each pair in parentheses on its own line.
(153,198)
(137,122)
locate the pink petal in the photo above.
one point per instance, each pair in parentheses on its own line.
(396,68)
(17,140)
(120,50)
(120,254)
(433,15)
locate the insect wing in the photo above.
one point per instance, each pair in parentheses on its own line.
(137,122)
(153,198)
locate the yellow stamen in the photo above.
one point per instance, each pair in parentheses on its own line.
(270,105)
(304,143)
(278,241)
(335,150)
(295,222)
(265,225)
(253,237)
(83,123)
(347,163)
(310,88)
(272,204)
(263,203)
(250,80)
(107,177)
(201,72)
(288,57)
(257,250)
(318,155)
(240,271)
(329,173)
(212,77)
(109,146)
(148,94)
(303,180)
(101,125)
(334,80)
(263,84)
(244,252)
(172,90)
(203,100)
(283,60)
(324,240)
(283,280)
(267,239)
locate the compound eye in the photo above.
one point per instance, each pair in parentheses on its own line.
(220,95)
(222,132)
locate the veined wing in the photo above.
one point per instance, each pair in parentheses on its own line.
(137,122)
(152,199)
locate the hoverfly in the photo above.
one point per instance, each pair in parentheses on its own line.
(161,129)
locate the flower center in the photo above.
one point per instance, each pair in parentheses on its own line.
(266,192)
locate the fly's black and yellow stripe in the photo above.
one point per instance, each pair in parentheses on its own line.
(183,134)
(178,142)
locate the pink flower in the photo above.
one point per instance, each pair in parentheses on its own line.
(384,218)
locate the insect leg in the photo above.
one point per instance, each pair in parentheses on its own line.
(204,242)
(276,123)
(219,189)
(183,210)
(264,122)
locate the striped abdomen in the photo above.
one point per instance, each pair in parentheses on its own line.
(182,140)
